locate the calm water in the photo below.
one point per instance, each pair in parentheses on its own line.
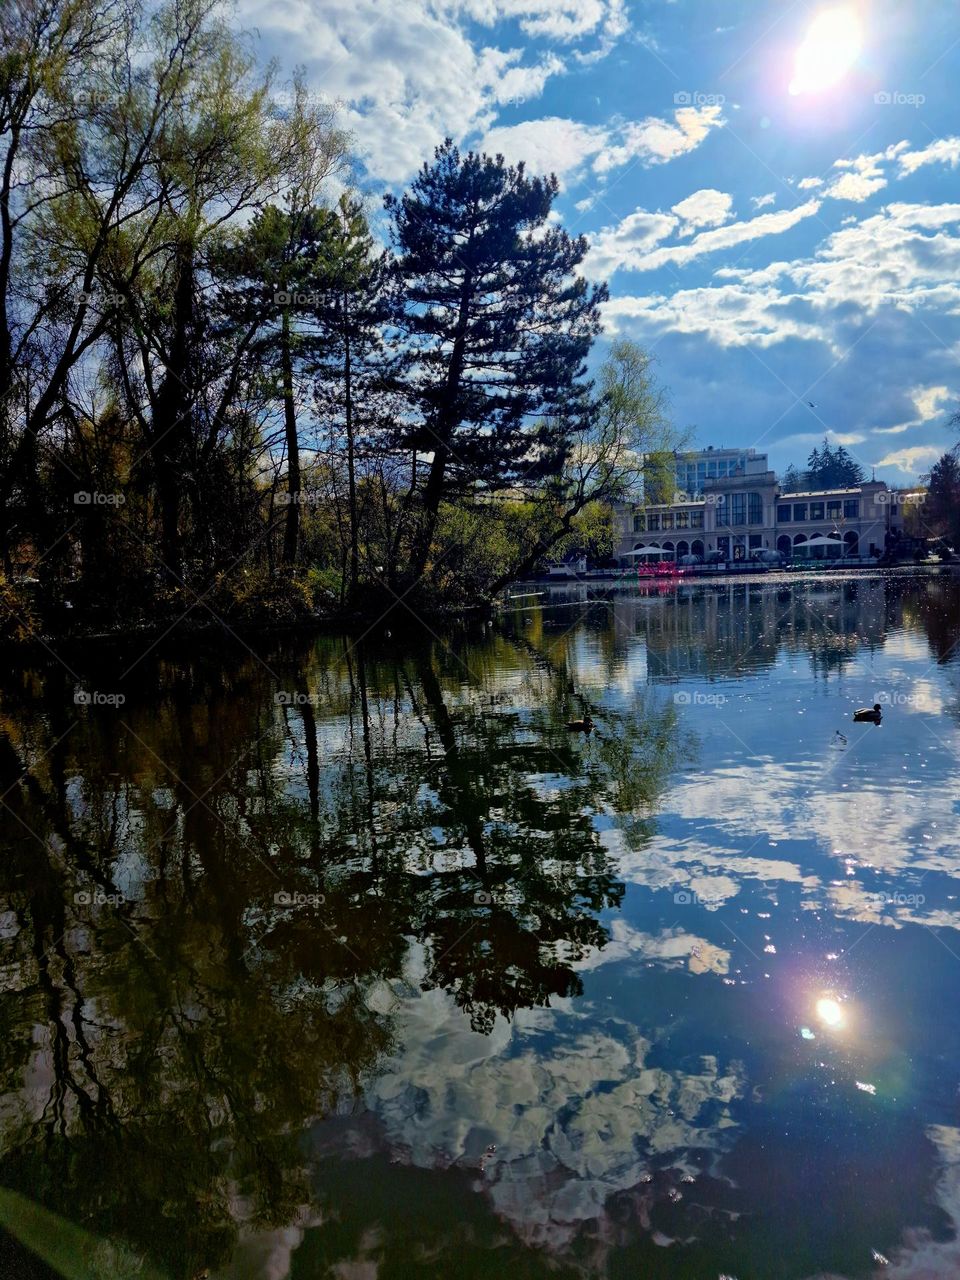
(344,959)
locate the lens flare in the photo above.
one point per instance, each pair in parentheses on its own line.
(830,48)
(830,1012)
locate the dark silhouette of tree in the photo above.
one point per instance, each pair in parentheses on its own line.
(496,326)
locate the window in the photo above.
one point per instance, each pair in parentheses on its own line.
(783,513)
(696,519)
(712,468)
(666,520)
(799,511)
(816,510)
(755,508)
(653,522)
(738,508)
(639,522)
(722,469)
(851,509)
(833,510)
(756,541)
(723,546)
(683,519)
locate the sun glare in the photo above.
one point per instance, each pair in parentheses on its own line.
(829,1012)
(829,49)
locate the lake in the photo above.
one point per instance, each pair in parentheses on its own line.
(341,956)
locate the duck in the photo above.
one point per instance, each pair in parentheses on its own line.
(580,726)
(873,713)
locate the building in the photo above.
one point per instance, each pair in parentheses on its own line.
(697,469)
(676,527)
(745,514)
(860,517)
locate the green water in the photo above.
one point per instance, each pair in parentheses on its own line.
(342,957)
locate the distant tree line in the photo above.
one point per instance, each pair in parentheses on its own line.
(219,391)
(826,469)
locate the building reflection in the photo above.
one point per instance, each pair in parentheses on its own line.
(729,628)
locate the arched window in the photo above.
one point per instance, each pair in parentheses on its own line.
(696,548)
(784,545)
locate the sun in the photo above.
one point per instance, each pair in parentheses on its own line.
(830,1012)
(830,48)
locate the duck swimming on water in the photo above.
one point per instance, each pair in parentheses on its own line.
(874,713)
(580,726)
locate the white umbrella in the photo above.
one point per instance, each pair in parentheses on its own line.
(821,541)
(648,551)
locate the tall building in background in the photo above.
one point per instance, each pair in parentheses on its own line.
(696,468)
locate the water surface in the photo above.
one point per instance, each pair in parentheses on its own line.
(342,957)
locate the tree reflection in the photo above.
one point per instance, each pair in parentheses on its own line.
(208,892)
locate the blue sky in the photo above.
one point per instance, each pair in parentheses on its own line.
(772,189)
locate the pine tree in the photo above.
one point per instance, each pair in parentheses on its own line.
(496,327)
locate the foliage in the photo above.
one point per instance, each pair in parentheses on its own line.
(792,481)
(833,468)
(941,511)
(246,393)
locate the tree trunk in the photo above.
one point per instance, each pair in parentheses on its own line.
(291,531)
(351,469)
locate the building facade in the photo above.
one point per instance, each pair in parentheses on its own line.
(698,469)
(744,515)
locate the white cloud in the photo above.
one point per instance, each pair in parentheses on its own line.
(904,259)
(548,145)
(930,401)
(855,186)
(761,202)
(655,141)
(863,175)
(765,224)
(943,151)
(808,184)
(730,316)
(916,458)
(629,241)
(560,20)
(705,208)
(409,75)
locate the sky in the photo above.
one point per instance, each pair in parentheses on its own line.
(771,189)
